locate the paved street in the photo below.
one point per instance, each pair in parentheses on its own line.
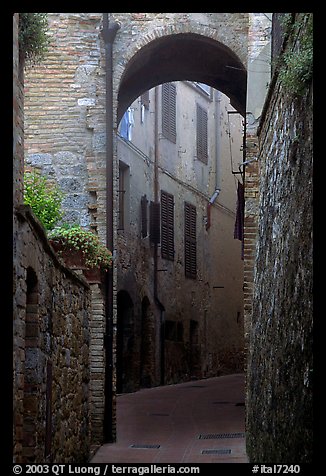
(200,421)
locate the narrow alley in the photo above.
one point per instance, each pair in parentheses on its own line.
(201,421)
(162,239)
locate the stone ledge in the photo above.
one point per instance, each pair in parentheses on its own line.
(25,213)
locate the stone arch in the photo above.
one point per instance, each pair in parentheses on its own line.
(185,52)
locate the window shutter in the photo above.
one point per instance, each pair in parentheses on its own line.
(144,206)
(202,119)
(190,241)
(169,111)
(154,211)
(121,191)
(167,226)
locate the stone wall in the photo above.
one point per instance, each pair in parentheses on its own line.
(279,382)
(51,355)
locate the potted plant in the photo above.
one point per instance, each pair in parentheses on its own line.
(81,249)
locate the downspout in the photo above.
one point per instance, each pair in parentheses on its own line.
(109,32)
(156,200)
(217,160)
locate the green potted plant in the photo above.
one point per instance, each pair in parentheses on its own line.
(81,249)
(43,197)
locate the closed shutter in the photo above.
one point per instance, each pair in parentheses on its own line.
(154,211)
(167,226)
(202,119)
(144,207)
(190,241)
(169,111)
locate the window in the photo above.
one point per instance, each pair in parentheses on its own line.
(202,153)
(144,98)
(144,219)
(144,105)
(190,241)
(174,331)
(154,215)
(123,195)
(167,226)
(126,124)
(169,111)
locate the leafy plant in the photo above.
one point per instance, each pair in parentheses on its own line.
(74,237)
(44,198)
(297,62)
(33,36)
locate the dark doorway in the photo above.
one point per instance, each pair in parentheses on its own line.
(195,370)
(125,343)
(31,378)
(146,345)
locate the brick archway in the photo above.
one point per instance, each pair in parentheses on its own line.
(182,56)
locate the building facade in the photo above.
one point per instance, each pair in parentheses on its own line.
(180,272)
(65,137)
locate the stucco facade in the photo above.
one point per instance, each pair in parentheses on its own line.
(202,317)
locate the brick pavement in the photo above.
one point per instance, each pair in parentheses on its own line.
(200,421)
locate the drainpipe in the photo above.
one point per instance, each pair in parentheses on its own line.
(156,200)
(217,159)
(109,32)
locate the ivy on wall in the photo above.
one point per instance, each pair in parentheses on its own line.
(296,67)
(33,37)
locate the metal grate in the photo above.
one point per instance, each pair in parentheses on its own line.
(216,452)
(145,447)
(219,436)
(221,403)
(159,414)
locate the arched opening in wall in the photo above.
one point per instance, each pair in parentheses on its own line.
(184,56)
(180,143)
(181,105)
(125,356)
(32,378)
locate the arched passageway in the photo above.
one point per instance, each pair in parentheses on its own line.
(184,56)
(187,57)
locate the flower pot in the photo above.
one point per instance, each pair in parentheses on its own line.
(72,258)
(93,275)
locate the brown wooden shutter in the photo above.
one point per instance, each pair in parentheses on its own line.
(154,212)
(190,241)
(169,111)
(144,220)
(202,119)
(167,225)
